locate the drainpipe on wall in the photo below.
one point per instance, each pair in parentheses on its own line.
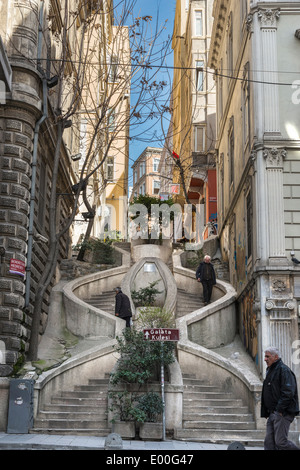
(34,162)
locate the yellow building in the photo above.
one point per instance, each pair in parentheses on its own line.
(146,178)
(103,130)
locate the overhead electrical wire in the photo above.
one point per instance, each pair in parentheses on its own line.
(172,67)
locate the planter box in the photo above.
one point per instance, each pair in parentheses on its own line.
(151,431)
(126,429)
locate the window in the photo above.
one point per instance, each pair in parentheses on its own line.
(155,164)
(142,189)
(42,195)
(199,142)
(230,47)
(83,139)
(198,23)
(245,106)
(110,170)
(199,75)
(156,186)
(111,120)
(231,150)
(113,71)
(135,178)
(249,224)
(142,169)
(244,8)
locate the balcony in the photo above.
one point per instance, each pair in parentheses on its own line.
(203,160)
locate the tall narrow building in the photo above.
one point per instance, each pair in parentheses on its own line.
(193,106)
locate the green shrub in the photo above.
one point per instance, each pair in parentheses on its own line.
(145,296)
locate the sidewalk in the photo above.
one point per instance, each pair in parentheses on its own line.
(63,442)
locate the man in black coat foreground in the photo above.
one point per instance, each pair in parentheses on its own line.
(122,307)
(279,402)
(206,275)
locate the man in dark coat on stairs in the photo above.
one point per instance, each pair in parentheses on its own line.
(279,402)
(206,275)
(122,307)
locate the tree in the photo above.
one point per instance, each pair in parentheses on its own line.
(91,52)
(154,221)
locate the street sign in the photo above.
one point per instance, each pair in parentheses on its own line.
(17,266)
(161,334)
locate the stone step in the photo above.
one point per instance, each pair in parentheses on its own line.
(70,424)
(212,415)
(216,425)
(194,394)
(198,388)
(99,382)
(100,409)
(75,432)
(83,394)
(79,401)
(246,437)
(104,301)
(190,411)
(92,415)
(187,303)
(189,306)
(98,388)
(235,402)
(81,411)
(228,417)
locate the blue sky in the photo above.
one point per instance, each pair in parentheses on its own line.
(166,11)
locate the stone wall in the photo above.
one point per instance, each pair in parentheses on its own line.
(23,107)
(16,127)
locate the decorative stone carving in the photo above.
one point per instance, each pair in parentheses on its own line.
(253,157)
(278,285)
(268,17)
(280,306)
(274,157)
(249,23)
(282,319)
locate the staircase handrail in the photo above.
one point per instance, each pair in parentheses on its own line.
(246,376)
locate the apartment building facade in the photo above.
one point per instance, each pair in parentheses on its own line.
(49,123)
(193,104)
(108,88)
(253,50)
(146,177)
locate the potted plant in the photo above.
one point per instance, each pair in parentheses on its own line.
(125,413)
(151,405)
(136,367)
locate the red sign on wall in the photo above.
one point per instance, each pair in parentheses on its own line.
(17,266)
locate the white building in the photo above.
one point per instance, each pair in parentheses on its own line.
(255,54)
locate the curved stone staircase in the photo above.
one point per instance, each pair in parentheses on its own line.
(210,414)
